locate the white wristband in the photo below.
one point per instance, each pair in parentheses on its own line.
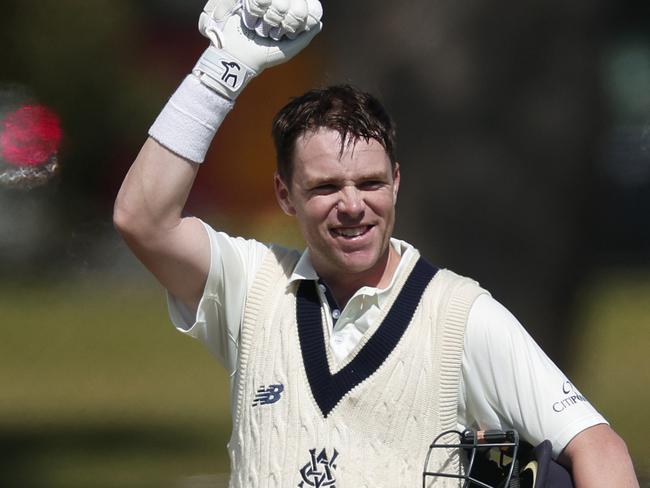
(190,119)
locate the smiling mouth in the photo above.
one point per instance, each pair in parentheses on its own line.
(351,232)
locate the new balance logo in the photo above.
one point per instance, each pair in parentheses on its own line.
(266,396)
(230,78)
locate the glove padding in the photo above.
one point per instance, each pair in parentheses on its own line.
(239,48)
(278,18)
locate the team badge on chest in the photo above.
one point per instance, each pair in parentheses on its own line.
(319,471)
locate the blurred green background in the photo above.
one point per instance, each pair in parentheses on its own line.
(524,141)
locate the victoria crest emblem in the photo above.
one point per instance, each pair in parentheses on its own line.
(319,471)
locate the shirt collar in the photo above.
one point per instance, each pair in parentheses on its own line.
(304,270)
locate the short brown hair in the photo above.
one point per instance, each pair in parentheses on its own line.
(352,113)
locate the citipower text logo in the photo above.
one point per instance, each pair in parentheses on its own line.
(572,396)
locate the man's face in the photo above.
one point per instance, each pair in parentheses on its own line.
(344,203)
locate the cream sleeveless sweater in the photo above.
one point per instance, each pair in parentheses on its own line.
(373,432)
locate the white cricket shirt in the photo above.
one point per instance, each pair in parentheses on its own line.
(506,379)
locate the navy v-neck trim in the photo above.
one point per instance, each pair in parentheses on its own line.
(328,389)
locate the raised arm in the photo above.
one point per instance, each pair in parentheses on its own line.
(246,36)
(148,215)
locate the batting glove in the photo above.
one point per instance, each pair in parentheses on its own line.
(248,36)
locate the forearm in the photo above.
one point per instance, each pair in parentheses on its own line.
(154,191)
(156,188)
(599,458)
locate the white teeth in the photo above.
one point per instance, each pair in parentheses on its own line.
(350,232)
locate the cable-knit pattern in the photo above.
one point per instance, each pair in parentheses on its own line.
(381,428)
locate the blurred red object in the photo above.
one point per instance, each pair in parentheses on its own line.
(30,136)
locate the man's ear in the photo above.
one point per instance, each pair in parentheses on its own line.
(396,180)
(283,195)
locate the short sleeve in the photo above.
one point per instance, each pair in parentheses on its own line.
(509,382)
(234,261)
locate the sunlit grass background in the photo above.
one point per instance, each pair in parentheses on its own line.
(98,390)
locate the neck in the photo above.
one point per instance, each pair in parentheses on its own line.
(343,287)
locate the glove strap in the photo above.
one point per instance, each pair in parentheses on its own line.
(222,72)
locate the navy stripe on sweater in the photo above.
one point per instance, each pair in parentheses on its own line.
(328,389)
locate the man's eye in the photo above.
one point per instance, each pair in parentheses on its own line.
(324,189)
(371,185)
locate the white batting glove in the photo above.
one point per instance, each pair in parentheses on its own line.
(275,19)
(248,36)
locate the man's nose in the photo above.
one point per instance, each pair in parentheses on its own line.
(350,201)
